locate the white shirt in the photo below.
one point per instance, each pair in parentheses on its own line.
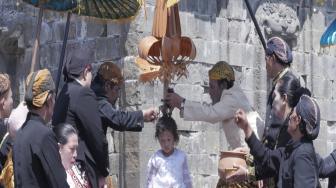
(168,172)
(224,111)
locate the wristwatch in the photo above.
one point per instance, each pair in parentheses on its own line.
(182,108)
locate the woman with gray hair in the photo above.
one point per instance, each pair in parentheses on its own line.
(296,163)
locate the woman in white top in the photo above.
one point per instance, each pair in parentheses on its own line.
(168,167)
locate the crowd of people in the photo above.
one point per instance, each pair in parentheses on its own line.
(58,140)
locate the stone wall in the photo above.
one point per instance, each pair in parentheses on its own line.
(221,30)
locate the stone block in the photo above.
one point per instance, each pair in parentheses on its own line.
(236,10)
(130,69)
(212,51)
(301,63)
(204,142)
(132,180)
(111,140)
(321,88)
(204,181)
(260,98)
(329,67)
(250,56)
(132,141)
(318,66)
(132,93)
(220,29)
(132,162)
(320,147)
(117,141)
(318,21)
(331,131)
(117,29)
(94,29)
(191,92)
(327,109)
(205,164)
(148,141)
(236,51)
(114,163)
(197,74)
(204,27)
(238,31)
(192,29)
(58,30)
(108,48)
(224,52)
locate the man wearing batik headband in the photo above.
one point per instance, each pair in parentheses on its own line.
(106,85)
(37,162)
(6,105)
(278,57)
(77,105)
(295,163)
(226,98)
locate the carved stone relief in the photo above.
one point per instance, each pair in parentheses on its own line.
(279,19)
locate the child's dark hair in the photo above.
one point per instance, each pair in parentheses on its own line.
(166,123)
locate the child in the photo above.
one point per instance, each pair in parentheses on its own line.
(168,166)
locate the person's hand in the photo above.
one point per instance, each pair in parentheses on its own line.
(173,100)
(17,118)
(242,150)
(239,175)
(150,114)
(242,122)
(102,182)
(260,184)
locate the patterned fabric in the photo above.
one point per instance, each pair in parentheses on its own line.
(39,85)
(109,9)
(7,173)
(168,172)
(77,178)
(280,48)
(220,71)
(4,84)
(329,36)
(309,111)
(58,5)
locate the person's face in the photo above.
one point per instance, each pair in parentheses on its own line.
(271,69)
(215,91)
(87,76)
(279,104)
(167,142)
(68,151)
(7,103)
(112,92)
(293,124)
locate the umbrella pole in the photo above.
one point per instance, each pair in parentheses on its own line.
(37,40)
(61,62)
(248,5)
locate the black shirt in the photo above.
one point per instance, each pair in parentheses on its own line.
(296,163)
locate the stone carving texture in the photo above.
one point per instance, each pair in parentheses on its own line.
(279,18)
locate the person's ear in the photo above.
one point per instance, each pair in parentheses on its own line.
(285,98)
(85,73)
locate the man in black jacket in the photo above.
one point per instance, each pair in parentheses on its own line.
(36,158)
(106,85)
(77,105)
